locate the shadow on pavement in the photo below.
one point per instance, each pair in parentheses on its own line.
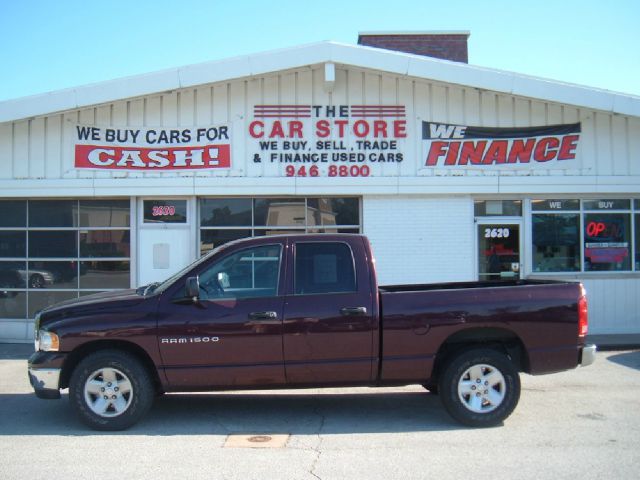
(222,414)
(627,359)
(15,351)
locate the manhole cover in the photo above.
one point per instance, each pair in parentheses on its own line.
(257,441)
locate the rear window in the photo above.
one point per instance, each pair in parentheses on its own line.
(324,267)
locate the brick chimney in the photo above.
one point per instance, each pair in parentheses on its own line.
(443,45)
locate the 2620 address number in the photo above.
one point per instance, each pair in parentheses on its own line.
(496,233)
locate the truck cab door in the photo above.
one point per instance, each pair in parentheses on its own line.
(232,335)
(328,319)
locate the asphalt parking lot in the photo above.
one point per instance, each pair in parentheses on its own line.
(583,424)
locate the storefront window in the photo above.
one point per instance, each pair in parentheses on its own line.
(333,211)
(53,243)
(226,219)
(209,239)
(53,213)
(37,300)
(498,208)
(556,205)
(611,204)
(607,241)
(279,212)
(225,212)
(104,275)
(556,242)
(54,250)
(12,274)
(104,243)
(14,213)
(52,274)
(104,213)
(13,304)
(13,243)
(607,235)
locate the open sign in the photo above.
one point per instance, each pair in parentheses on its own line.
(596,229)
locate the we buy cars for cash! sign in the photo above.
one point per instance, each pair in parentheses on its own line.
(152,149)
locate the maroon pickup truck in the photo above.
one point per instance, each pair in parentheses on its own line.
(301,311)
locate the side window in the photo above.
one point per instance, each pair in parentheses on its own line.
(248,273)
(324,267)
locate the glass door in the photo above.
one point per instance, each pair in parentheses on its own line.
(165,244)
(499,250)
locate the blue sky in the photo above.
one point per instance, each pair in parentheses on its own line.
(50,45)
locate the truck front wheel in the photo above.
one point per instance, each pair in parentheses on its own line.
(110,390)
(480,387)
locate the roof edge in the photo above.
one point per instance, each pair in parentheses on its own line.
(417,32)
(398,63)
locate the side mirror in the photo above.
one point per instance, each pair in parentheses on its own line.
(193,288)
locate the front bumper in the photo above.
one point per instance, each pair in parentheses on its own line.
(45,382)
(588,355)
(45,369)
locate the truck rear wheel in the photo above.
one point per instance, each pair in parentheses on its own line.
(480,387)
(110,390)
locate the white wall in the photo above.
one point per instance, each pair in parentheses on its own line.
(614,305)
(420,240)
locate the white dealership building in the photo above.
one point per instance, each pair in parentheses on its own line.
(455,172)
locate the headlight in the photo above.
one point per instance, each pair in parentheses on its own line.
(47,341)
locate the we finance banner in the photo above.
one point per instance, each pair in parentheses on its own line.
(463,146)
(152,149)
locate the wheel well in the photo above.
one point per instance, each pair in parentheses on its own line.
(82,351)
(499,339)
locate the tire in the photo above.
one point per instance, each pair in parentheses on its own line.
(480,387)
(36,281)
(110,390)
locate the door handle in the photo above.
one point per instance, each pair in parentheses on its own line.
(263,316)
(353,311)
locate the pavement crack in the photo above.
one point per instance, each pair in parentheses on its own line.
(317,449)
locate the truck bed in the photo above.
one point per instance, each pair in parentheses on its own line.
(540,315)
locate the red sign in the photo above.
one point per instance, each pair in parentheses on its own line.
(173,158)
(606,254)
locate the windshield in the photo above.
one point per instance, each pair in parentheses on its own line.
(161,287)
